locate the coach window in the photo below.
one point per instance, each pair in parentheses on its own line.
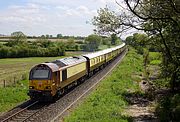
(92,61)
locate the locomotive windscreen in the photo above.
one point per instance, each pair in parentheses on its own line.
(40,74)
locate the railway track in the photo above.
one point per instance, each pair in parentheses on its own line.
(94,80)
(55,112)
(24,114)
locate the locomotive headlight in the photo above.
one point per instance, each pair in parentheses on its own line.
(31,87)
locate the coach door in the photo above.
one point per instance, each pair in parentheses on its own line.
(58,78)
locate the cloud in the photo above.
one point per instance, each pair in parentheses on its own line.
(28,9)
(80,11)
(37,17)
(29,13)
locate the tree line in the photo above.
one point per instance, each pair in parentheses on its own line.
(19,46)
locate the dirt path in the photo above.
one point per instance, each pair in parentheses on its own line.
(142,108)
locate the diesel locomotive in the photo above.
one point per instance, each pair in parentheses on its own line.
(51,79)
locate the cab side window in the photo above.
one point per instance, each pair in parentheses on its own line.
(64,74)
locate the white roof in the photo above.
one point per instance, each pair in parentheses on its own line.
(99,53)
(69,60)
(117,47)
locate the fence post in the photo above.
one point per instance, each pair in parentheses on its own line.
(4,82)
(14,80)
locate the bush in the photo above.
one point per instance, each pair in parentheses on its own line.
(4,52)
(29,50)
(169,109)
(155,56)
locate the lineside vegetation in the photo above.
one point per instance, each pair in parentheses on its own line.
(13,95)
(107,102)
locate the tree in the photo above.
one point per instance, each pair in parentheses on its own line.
(60,48)
(106,41)
(51,36)
(114,39)
(138,41)
(59,36)
(43,36)
(159,19)
(92,42)
(47,36)
(17,38)
(43,42)
(70,44)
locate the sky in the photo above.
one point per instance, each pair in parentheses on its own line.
(37,17)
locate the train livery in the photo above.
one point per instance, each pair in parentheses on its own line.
(51,79)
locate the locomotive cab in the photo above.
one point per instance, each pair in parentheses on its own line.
(42,81)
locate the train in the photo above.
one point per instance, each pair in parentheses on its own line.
(52,79)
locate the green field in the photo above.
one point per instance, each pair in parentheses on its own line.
(107,102)
(3,42)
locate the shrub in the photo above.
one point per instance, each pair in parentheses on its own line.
(155,56)
(29,50)
(169,109)
(4,52)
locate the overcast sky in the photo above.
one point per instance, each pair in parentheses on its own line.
(37,17)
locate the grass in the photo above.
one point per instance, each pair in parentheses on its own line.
(155,58)
(106,103)
(155,62)
(11,96)
(3,42)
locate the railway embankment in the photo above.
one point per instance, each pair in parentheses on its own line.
(108,101)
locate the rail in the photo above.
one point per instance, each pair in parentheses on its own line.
(19,112)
